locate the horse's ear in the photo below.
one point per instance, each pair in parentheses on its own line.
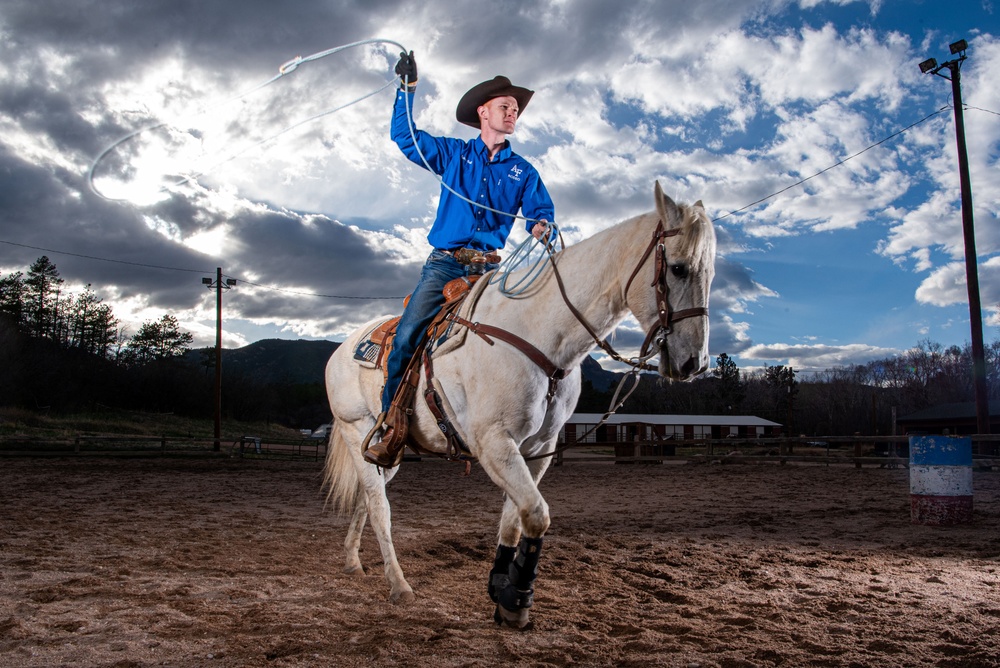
(699,204)
(665,206)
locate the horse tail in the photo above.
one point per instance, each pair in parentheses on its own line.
(340,478)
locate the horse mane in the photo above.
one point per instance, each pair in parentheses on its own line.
(696,242)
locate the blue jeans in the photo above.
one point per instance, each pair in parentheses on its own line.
(425,302)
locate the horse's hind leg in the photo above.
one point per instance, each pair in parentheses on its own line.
(373,505)
(352,543)
(373,482)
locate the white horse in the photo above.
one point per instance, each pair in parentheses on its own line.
(657,266)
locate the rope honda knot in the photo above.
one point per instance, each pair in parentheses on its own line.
(291,65)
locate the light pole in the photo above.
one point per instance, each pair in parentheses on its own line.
(218,285)
(954,67)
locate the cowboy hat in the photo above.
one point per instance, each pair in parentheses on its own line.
(482,93)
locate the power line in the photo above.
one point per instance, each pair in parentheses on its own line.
(104,259)
(326,296)
(307,294)
(191,271)
(836,164)
(969,106)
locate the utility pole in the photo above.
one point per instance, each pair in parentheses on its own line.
(954,67)
(218,285)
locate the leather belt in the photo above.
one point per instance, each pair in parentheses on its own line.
(470,255)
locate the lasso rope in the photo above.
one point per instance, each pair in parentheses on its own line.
(521,254)
(285,69)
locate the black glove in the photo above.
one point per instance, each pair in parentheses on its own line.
(406,68)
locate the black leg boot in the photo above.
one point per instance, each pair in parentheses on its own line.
(500,575)
(518,595)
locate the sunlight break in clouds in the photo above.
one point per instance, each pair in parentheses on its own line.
(727,101)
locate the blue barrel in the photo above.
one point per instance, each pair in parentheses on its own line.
(940,480)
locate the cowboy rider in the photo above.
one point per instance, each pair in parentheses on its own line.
(484,170)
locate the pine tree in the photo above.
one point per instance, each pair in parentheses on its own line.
(91,324)
(42,290)
(12,298)
(730,390)
(158,340)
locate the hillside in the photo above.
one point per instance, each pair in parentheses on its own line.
(282,361)
(275,361)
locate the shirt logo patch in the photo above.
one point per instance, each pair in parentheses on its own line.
(514,173)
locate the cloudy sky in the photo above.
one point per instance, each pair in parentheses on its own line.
(296,190)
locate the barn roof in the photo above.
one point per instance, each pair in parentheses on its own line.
(655,418)
(959,411)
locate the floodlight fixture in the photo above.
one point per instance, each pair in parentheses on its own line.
(206,281)
(958,47)
(928,65)
(230,282)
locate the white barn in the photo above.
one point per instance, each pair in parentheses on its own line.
(650,427)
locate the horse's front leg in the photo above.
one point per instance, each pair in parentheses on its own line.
(510,534)
(524,520)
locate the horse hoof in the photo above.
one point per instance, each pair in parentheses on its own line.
(403,598)
(354,570)
(516,619)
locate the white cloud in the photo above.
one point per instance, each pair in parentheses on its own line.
(816,357)
(946,285)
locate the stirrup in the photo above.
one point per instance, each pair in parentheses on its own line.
(379,421)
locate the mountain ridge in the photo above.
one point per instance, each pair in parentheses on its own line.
(301,361)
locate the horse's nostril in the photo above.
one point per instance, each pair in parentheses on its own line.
(689,366)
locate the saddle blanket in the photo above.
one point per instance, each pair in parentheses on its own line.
(368,352)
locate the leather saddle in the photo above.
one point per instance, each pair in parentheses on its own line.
(382,339)
(375,348)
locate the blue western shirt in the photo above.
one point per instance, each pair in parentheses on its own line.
(508,183)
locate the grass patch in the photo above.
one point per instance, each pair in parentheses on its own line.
(18,422)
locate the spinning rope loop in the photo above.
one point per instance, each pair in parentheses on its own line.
(521,254)
(284,70)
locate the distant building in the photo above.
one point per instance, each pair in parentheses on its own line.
(624,428)
(955,419)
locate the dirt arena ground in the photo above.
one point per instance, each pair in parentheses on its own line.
(168,562)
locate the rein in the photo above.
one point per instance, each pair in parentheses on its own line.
(666,316)
(658,332)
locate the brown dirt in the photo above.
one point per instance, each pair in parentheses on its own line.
(117,562)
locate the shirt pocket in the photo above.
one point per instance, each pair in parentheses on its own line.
(509,189)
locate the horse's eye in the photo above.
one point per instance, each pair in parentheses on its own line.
(679,270)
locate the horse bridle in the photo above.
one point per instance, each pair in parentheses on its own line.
(666,316)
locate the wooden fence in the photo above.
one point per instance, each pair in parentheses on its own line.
(120,445)
(885,451)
